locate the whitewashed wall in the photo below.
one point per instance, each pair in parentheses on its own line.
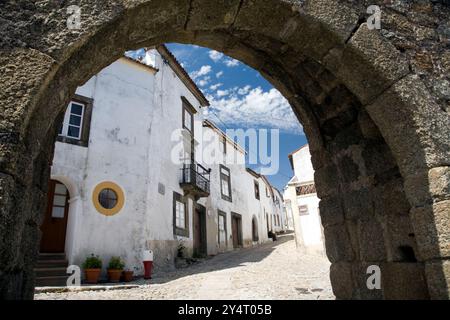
(308,228)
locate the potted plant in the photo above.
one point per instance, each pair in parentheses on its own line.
(115,268)
(92,268)
(128,275)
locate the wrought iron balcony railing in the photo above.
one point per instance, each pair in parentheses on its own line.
(196,179)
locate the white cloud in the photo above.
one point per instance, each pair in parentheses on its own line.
(215,55)
(244,90)
(203,82)
(231,62)
(222,93)
(219,74)
(216,86)
(255,109)
(204,70)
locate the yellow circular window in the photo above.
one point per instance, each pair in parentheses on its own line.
(108,198)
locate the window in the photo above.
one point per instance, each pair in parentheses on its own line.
(76,121)
(188,120)
(73,121)
(188,115)
(267,192)
(223,145)
(222,226)
(59,201)
(303,210)
(107,198)
(180,221)
(256,189)
(180,216)
(225,183)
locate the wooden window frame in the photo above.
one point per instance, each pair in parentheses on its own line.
(221,175)
(224,144)
(187,106)
(85,128)
(183,232)
(223,214)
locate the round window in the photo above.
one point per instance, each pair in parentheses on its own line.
(108,198)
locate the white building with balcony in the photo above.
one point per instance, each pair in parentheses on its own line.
(130,173)
(301,202)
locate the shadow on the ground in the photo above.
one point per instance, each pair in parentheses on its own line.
(226,260)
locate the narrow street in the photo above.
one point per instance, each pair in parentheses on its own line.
(271,271)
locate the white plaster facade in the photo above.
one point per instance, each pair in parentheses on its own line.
(301,201)
(136,124)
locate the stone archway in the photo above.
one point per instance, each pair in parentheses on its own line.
(378,129)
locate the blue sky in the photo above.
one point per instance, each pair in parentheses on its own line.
(241,98)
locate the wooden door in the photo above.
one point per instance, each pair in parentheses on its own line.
(200,230)
(236,230)
(55,222)
(197,232)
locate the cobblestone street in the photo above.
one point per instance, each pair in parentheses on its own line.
(271,271)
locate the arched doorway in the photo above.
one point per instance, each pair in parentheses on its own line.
(378,133)
(255,236)
(54,226)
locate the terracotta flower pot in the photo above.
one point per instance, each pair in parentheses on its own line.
(114,275)
(127,276)
(92,275)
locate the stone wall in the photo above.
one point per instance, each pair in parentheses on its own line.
(373,103)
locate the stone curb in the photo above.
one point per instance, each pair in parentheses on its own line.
(84,288)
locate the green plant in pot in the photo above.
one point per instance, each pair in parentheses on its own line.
(115,268)
(92,268)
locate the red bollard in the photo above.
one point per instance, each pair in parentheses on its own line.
(148,265)
(147,258)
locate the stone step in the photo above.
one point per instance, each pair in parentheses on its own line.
(51,256)
(54,281)
(52,263)
(50,272)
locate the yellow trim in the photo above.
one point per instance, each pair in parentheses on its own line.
(116,189)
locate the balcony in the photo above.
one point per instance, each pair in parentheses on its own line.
(195,179)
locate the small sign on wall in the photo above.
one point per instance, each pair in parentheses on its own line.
(161,189)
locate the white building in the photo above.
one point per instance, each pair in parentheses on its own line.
(130,173)
(301,201)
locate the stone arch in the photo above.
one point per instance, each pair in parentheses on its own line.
(378,134)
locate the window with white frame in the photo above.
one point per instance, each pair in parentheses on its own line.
(73,121)
(225,183)
(180,208)
(180,216)
(222,229)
